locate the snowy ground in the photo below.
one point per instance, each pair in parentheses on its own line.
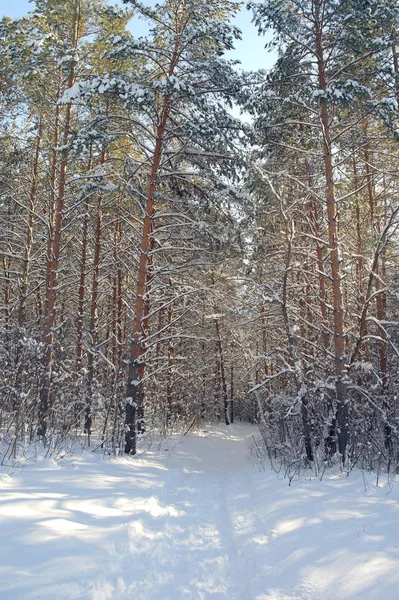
(194,521)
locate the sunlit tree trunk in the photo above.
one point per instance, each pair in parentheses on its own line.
(134,394)
(54,245)
(336,277)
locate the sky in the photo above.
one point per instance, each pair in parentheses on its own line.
(250,50)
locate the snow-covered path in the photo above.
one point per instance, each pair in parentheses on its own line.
(194,521)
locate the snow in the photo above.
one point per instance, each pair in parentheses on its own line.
(101,85)
(194,519)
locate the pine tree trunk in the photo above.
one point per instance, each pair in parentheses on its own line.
(7,291)
(54,245)
(381,302)
(134,396)
(332,216)
(359,245)
(93,323)
(171,357)
(52,275)
(314,218)
(222,373)
(117,304)
(82,279)
(29,230)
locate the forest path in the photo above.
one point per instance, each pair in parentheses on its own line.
(194,520)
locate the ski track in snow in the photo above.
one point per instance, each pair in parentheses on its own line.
(195,522)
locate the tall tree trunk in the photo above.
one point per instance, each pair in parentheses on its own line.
(117,311)
(29,230)
(381,304)
(136,370)
(54,247)
(314,219)
(134,388)
(222,373)
(82,278)
(169,376)
(93,323)
(359,245)
(332,216)
(7,290)
(145,334)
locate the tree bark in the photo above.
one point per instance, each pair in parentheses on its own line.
(222,373)
(82,279)
(93,323)
(54,247)
(29,230)
(332,216)
(136,368)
